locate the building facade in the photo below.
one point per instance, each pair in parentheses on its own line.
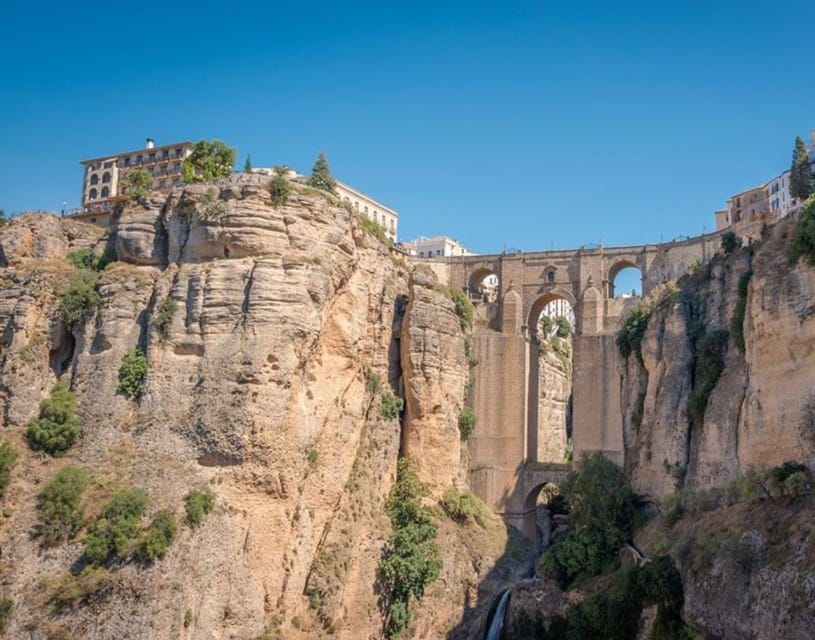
(103,183)
(435,247)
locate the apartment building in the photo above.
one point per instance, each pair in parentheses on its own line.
(435,247)
(103,185)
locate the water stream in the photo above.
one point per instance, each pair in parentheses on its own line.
(495,625)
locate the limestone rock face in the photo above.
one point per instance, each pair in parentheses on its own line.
(435,370)
(260,325)
(760,412)
(554,391)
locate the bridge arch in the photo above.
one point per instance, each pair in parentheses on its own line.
(628,267)
(483,283)
(541,303)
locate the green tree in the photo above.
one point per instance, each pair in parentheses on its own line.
(321,175)
(209,160)
(57,427)
(138,183)
(3,219)
(247,166)
(59,505)
(800,173)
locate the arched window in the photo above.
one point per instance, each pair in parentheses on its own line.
(94,179)
(106,177)
(105,192)
(92,194)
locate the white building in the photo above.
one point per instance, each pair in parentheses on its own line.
(781,203)
(363,204)
(435,247)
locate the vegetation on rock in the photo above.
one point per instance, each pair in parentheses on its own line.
(390,404)
(602,511)
(708,365)
(93,584)
(279,190)
(412,559)
(81,298)
(466,422)
(198,504)
(8,457)
(630,337)
(802,245)
(59,508)
(737,322)
(133,374)
(464,308)
(464,507)
(164,317)
(209,160)
(375,229)
(155,541)
(730,242)
(6,607)
(112,535)
(57,427)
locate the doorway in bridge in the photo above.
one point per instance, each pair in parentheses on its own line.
(625,281)
(545,517)
(550,385)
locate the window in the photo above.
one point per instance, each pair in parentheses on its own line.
(127,162)
(162,185)
(438,252)
(179,152)
(106,177)
(92,194)
(365,209)
(105,192)
(108,164)
(165,155)
(139,158)
(421,254)
(550,276)
(153,157)
(94,179)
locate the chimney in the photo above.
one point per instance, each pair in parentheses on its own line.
(150,143)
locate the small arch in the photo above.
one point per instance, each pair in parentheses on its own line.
(105,192)
(624,280)
(92,194)
(106,177)
(553,303)
(549,489)
(483,284)
(94,179)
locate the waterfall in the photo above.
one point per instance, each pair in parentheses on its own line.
(495,625)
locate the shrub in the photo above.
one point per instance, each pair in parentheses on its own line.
(373,382)
(803,240)
(164,317)
(59,506)
(81,299)
(6,607)
(8,457)
(132,374)
(730,242)
(391,404)
(82,259)
(375,229)
(313,456)
(672,509)
(737,323)
(197,505)
(463,507)
(709,354)
(568,454)
(464,308)
(630,338)
(93,584)
(279,190)
(157,538)
(57,427)
(466,423)
(114,531)
(187,618)
(547,325)
(412,559)
(212,208)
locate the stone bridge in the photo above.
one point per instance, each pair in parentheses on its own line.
(509,462)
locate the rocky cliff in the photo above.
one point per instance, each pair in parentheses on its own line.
(272,334)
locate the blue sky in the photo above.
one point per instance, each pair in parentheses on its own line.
(530,125)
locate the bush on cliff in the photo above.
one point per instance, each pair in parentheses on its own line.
(709,352)
(602,513)
(279,190)
(390,404)
(630,337)
(112,535)
(740,310)
(81,299)
(412,559)
(59,508)
(464,308)
(57,427)
(802,245)
(155,541)
(209,160)
(466,423)
(464,507)
(8,457)
(132,374)
(198,504)
(730,242)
